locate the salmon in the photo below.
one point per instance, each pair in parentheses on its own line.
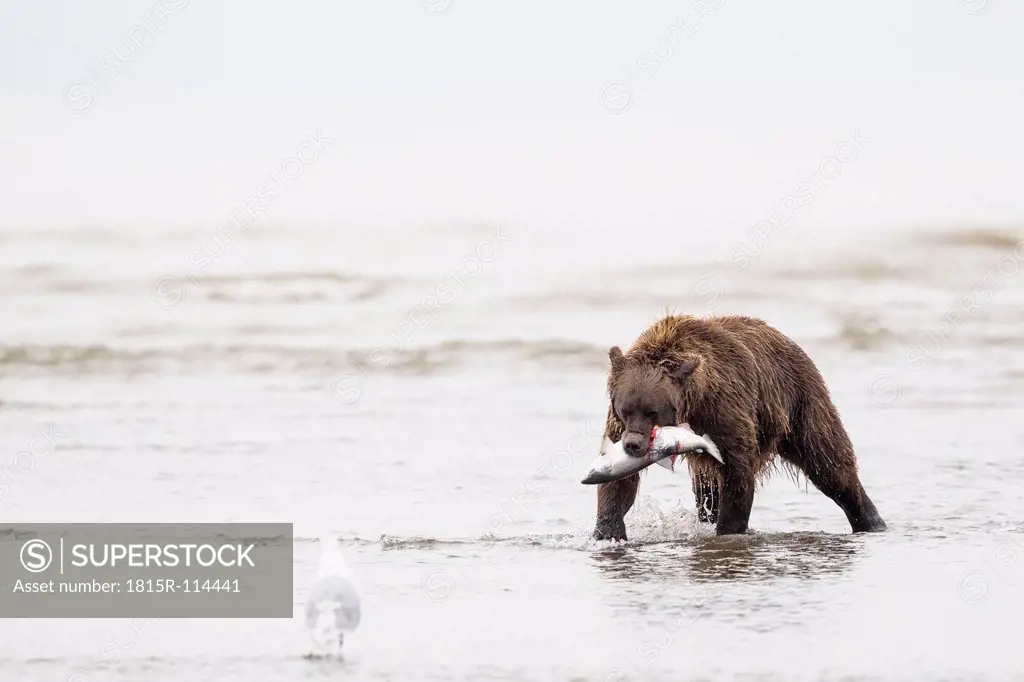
(667,444)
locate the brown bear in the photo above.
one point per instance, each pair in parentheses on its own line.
(754,392)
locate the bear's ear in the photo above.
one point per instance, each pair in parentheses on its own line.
(680,369)
(616,357)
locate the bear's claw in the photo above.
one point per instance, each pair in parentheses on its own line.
(610,529)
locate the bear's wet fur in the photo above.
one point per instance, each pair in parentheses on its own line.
(754,392)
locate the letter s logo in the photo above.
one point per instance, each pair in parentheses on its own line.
(36,556)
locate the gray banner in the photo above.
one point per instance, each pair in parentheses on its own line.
(161,570)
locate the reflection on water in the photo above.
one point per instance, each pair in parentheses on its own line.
(755,557)
(765,557)
(757,583)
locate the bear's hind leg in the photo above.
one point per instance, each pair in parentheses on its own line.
(845,489)
(832,468)
(859,509)
(847,492)
(613,501)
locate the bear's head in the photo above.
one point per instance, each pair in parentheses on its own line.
(645,394)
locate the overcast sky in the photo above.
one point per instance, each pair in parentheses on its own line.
(563,112)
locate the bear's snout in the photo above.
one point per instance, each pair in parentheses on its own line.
(633,444)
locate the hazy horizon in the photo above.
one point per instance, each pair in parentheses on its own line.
(496,114)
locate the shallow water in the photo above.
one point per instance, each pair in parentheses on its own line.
(300,378)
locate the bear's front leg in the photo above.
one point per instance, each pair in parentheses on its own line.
(613,501)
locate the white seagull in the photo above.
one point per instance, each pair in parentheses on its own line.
(332,607)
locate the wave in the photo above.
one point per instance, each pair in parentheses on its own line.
(679,297)
(988,238)
(290,287)
(192,233)
(933,259)
(47,278)
(865,270)
(287,277)
(922,257)
(272,359)
(295,286)
(104,359)
(555,353)
(246,288)
(861,332)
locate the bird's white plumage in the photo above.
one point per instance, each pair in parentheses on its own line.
(333,606)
